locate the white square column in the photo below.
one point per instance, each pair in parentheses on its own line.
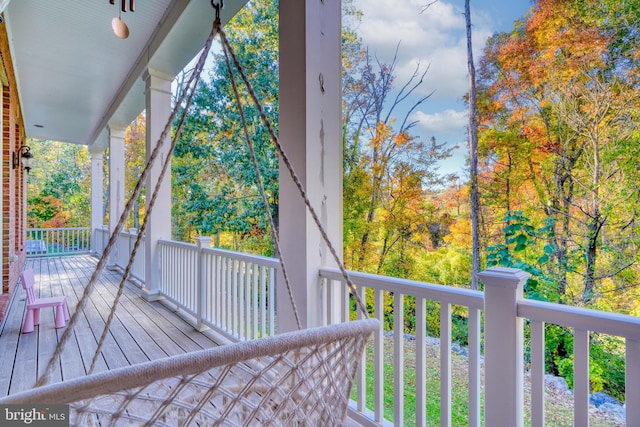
(97,193)
(116,182)
(158,111)
(310,132)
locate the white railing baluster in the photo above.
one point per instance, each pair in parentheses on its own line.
(218,289)
(632,381)
(255,303)
(421,363)
(341,302)
(325,313)
(192,285)
(175,260)
(214,289)
(272,301)
(240,300)
(207,286)
(328,293)
(224,282)
(361,379)
(378,357)
(179,281)
(178,260)
(220,304)
(263,301)
(537,374)
(236,299)
(445,364)
(229,295)
(398,359)
(581,378)
(201,293)
(474,367)
(246,283)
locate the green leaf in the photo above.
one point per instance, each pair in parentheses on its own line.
(520,247)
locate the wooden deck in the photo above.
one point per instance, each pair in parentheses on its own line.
(140,332)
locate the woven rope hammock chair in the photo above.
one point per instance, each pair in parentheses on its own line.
(297,378)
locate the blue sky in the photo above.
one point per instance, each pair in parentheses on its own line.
(436,38)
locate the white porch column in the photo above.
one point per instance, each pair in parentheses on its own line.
(158,110)
(97,177)
(116,181)
(310,113)
(503,346)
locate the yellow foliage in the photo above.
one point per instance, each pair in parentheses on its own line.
(460,233)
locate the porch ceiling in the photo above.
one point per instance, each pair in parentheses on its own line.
(75,76)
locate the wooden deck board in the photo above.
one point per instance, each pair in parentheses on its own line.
(11,331)
(140,331)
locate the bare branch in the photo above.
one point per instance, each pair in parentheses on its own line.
(427,6)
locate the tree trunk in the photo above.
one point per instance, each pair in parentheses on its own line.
(595,225)
(370,215)
(590,259)
(473,154)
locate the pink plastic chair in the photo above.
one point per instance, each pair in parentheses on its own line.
(34,305)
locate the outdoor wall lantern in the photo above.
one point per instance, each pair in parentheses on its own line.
(26,156)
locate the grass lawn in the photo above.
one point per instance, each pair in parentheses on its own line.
(559,407)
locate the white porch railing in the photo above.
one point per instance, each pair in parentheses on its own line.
(582,321)
(99,239)
(57,241)
(230,292)
(393,292)
(506,310)
(234,294)
(122,252)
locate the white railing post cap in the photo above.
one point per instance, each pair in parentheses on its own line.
(504,277)
(203,241)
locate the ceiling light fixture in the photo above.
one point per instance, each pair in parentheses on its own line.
(117,24)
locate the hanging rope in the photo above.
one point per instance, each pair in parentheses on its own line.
(186,97)
(294,176)
(263,193)
(187,94)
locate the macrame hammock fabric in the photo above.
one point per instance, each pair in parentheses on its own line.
(297,378)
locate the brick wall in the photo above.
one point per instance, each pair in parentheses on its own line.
(13,203)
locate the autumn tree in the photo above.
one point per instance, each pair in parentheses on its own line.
(560,101)
(58,186)
(473,153)
(387,169)
(135,157)
(214,180)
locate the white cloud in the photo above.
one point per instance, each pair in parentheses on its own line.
(445,122)
(435,38)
